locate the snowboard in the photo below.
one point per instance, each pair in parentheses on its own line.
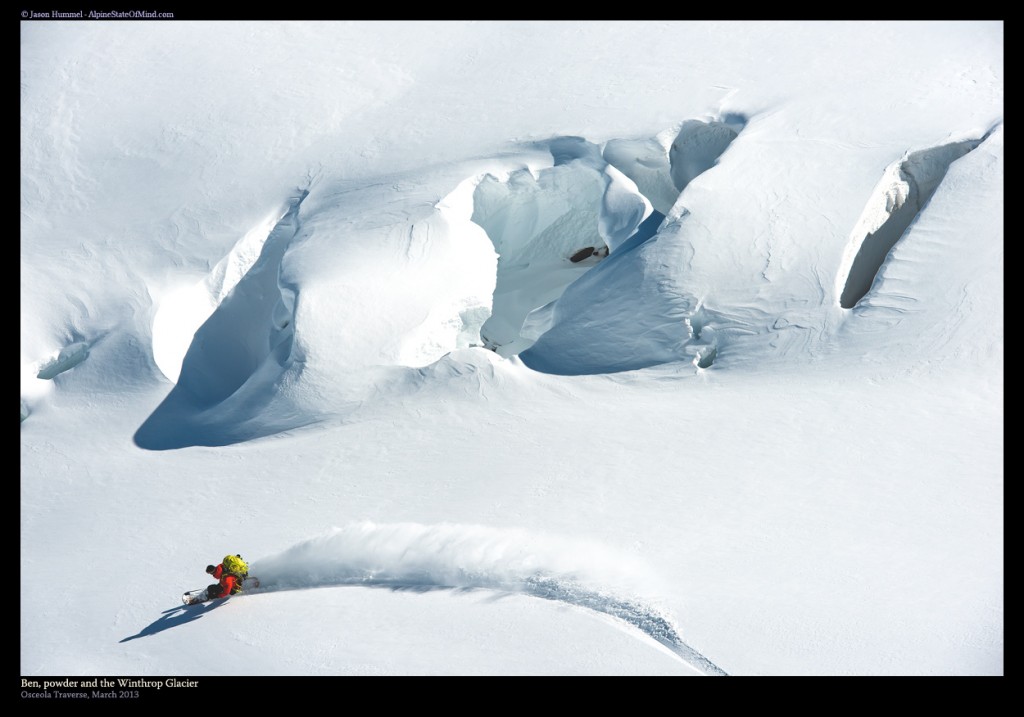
(194,597)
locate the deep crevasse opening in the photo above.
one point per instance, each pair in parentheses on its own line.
(548,230)
(901,195)
(550,227)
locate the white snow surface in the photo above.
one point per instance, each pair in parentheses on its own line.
(322,294)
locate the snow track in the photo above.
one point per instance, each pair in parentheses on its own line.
(425,557)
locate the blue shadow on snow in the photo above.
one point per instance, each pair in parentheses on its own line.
(175,617)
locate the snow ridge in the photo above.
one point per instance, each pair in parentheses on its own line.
(898,199)
(69,357)
(237,354)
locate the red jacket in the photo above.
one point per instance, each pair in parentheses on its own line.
(226,582)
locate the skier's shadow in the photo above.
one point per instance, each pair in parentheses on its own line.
(176,616)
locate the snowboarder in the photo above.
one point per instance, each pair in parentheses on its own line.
(229,574)
(227,584)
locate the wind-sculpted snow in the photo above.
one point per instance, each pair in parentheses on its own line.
(69,357)
(699,145)
(183,312)
(942,272)
(383,290)
(646,162)
(299,322)
(552,252)
(662,166)
(411,555)
(247,339)
(37,376)
(901,195)
(253,324)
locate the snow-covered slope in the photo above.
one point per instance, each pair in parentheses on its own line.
(578,348)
